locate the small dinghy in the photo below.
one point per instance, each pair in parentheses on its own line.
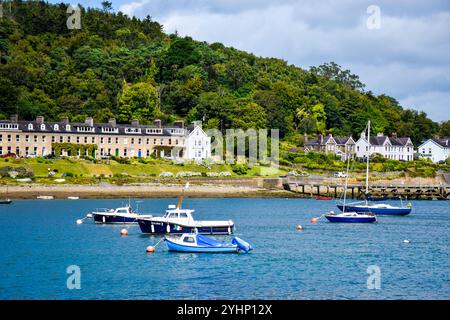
(351,217)
(196,243)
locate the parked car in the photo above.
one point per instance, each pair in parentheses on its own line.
(8,155)
(340,174)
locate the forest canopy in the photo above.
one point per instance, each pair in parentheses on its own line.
(128,68)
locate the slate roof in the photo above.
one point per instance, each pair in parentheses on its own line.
(49,127)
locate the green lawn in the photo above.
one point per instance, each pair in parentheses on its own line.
(79,170)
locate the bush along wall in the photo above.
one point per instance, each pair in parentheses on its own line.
(74,149)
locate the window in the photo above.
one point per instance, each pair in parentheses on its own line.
(68,138)
(42,127)
(78,139)
(30,126)
(27,139)
(93,139)
(117,140)
(139,141)
(61,139)
(67,127)
(170,141)
(56,127)
(9,138)
(17,138)
(85,139)
(132,140)
(53,139)
(44,138)
(1,138)
(35,139)
(102,140)
(125,140)
(189,239)
(109,140)
(183,215)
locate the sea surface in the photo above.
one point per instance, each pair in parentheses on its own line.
(40,240)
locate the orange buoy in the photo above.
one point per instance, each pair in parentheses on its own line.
(298,228)
(124,232)
(313,220)
(150,249)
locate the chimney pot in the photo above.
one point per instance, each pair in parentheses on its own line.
(39,119)
(135,123)
(14,118)
(179,123)
(157,123)
(89,121)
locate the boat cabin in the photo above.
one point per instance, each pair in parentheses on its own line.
(185,214)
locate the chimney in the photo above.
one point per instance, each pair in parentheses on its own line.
(329,133)
(394,134)
(39,119)
(135,123)
(112,122)
(14,118)
(65,120)
(157,123)
(179,124)
(89,121)
(380,134)
(305,138)
(321,138)
(197,123)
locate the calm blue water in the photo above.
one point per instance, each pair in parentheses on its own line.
(40,239)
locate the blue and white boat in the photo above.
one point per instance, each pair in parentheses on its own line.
(376,208)
(351,217)
(348,216)
(177,221)
(121,215)
(196,243)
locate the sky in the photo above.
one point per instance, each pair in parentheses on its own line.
(400,48)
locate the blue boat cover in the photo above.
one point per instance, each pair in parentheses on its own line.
(210,242)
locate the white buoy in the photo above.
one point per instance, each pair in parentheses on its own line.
(406,241)
(124,232)
(79,221)
(89,216)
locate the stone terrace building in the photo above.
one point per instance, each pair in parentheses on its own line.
(341,146)
(37,138)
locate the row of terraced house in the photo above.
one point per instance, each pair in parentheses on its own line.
(393,147)
(40,138)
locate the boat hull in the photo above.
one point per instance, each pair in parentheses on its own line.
(172,246)
(5,201)
(332,218)
(113,219)
(158,227)
(378,211)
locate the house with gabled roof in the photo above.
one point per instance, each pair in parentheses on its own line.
(394,148)
(437,149)
(340,146)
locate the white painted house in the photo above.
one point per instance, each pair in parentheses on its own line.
(389,147)
(198,144)
(435,149)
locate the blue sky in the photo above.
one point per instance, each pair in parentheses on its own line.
(408,57)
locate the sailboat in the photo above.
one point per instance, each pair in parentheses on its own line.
(350,216)
(7,200)
(378,208)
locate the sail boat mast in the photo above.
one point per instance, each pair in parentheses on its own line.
(368,157)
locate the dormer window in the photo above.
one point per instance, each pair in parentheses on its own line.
(30,126)
(42,127)
(56,127)
(67,127)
